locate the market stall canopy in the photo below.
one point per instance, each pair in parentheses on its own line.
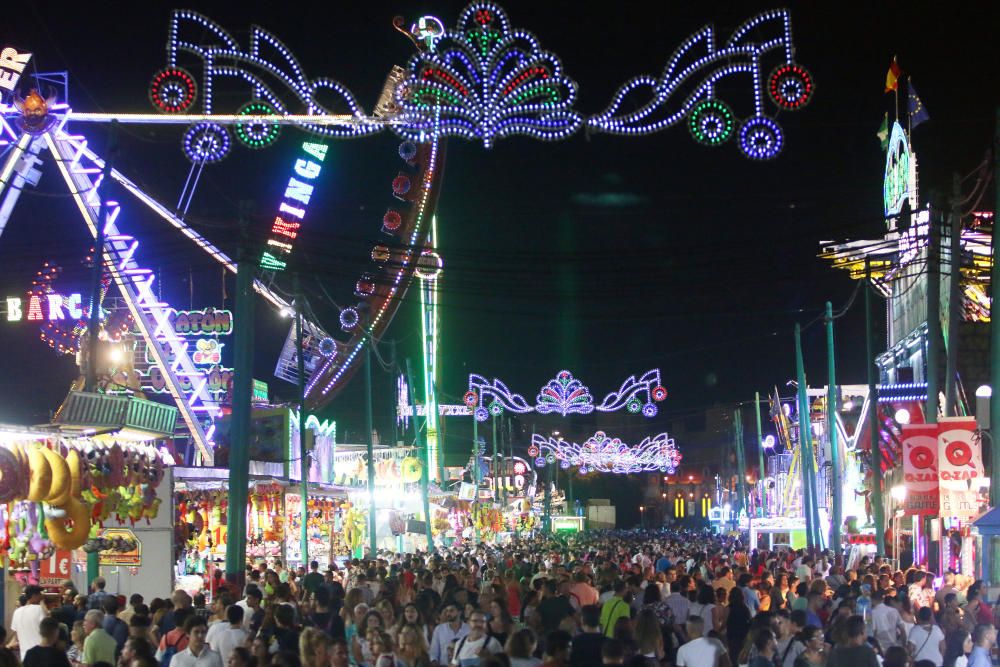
(126,416)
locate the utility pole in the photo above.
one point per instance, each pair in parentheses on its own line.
(424,460)
(303,428)
(933,314)
(94,321)
(760,456)
(475,475)
(495,462)
(954,302)
(876,448)
(741,466)
(372,536)
(805,443)
(836,494)
(995,344)
(239,428)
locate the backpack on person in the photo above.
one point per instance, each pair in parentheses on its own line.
(168,653)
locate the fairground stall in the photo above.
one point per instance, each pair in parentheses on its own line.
(90,492)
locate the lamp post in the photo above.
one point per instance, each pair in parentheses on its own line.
(642,517)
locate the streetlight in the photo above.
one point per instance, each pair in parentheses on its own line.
(642,517)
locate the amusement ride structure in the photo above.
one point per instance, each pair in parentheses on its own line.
(483,80)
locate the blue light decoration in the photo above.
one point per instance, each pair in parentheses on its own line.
(206,142)
(265,61)
(486,80)
(644,104)
(349,319)
(409,221)
(601,453)
(760,138)
(566,395)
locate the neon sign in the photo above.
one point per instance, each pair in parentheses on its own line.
(206,322)
(12,64)
(56,307)
(292,210)
(898,183)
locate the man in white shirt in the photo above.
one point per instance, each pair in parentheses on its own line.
(26,620)
(472,646)
(453,628)
(701,651)
(226,635)
(887,624)
(198,653)
(679,604)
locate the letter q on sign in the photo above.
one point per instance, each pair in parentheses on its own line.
(958,453)
(921,457)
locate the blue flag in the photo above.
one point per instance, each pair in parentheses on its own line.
(916,108)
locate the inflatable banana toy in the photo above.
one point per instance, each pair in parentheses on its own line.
(60,488)
(10,484)
(74,463)
(41,475)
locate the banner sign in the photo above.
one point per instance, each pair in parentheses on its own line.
(960,463)
(127,558)
(287,368)
(920,468)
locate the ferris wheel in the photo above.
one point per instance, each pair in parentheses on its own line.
(483,80)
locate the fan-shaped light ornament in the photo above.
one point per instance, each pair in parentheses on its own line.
(486,80)
(206,143)
(257,133)
(173,90)
(711,122)
(790,86)
(760,138)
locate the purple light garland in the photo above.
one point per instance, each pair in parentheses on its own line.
(599,453)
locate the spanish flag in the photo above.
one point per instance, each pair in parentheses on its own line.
(892,76)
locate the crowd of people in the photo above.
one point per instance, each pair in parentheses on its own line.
(641,599)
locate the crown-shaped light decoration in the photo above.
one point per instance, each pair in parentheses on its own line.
(486,80)
(564,394)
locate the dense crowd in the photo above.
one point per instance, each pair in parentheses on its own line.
(642,599)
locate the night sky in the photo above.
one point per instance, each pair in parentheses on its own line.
(604,255)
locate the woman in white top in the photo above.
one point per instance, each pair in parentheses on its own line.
(705,607)
(926,639)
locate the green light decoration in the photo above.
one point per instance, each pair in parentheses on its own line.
(634,406)
(257,134)
(711,122)
(429,329)
(496,408)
